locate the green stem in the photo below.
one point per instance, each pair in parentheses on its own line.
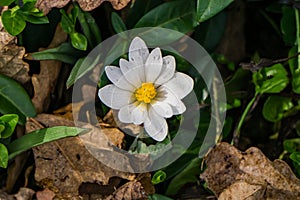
(298,33)
(236,134)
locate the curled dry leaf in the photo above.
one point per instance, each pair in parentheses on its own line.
(64,165)
(232,174)
(11,55)
(86,5)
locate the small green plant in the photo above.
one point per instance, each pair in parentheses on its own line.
(7,126)
(14,19)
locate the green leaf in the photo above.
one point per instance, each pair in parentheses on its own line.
(89,27)
(158,197)
(74,73)
(295,156)
(81,68)
(207,9)
(158,177)
(296,81)
(65,53)
(271,79)
(275,106)
(287,24)
(189,174)
(14,99)
(79,41)
(36,20)
(117,23)
(41,136)
(210,32)
(291,145)
(138,9)
(66,23)
(6,2)
(13,22)
(3,156)
(10,121)
(175,15)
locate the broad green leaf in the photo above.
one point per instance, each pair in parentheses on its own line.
(175,15)
(65,53)
(79,41)
(117,23)
(14,99)
(287,24)
(9,121)
(291,145)
(188,175)
(89,27)
(275,106)
(3,156)
(138,9)
(209,8)
(158,177)
(210,32)
(41,136)
(6,2)
(271,79)
(13,22)
(158,197)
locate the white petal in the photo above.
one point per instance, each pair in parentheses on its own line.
(138,51)
(139,113)
(134,74)
(156,126)
(125,113)
(153,65)
(115,75)
(179,108)
(167,95)
(168,70)
(114,97)
(162,108)
(181,84)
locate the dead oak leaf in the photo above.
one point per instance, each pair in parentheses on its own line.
(86,5)
(232,174)
(11,58)
(64,165)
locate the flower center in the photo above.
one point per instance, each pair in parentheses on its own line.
(145,93)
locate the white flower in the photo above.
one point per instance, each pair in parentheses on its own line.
(146,89)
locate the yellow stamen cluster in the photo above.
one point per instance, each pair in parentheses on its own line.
(145,93)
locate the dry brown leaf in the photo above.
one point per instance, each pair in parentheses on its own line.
(63,165)
(232,174)
(44,82)
(86,5)
(130,191)
(23,194)
(11,55)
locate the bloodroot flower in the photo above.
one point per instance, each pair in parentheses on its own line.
(146,89)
